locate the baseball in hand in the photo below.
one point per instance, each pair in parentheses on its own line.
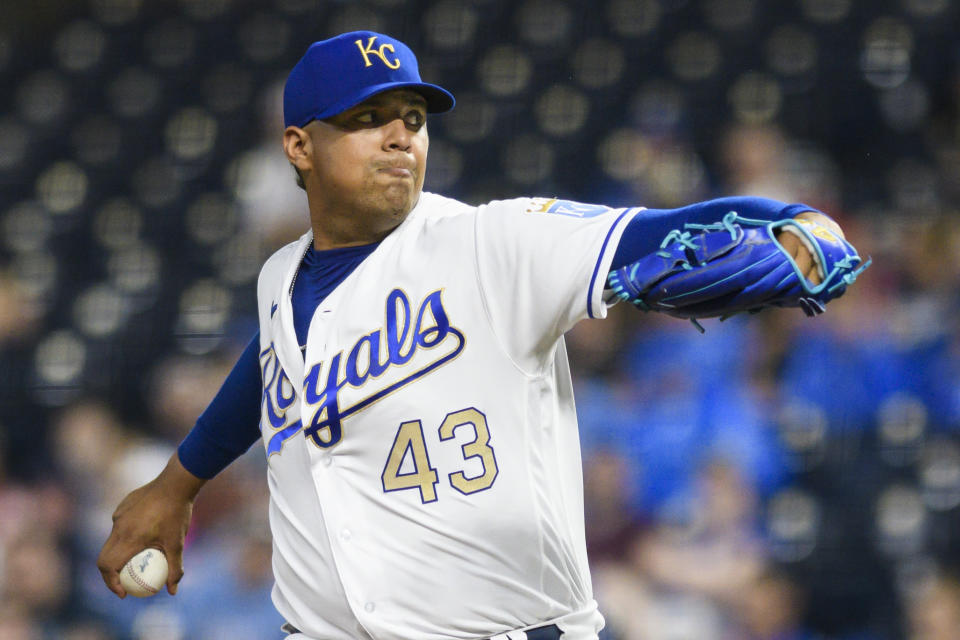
(145,573)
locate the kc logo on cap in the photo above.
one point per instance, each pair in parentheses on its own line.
(339,73)
(394,64)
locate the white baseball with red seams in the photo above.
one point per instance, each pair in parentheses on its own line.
(145,573)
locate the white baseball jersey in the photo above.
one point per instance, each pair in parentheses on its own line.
(424,461)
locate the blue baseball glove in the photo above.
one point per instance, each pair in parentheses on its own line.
(737,266)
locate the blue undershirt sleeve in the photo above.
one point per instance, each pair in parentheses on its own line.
(648,228)
(231,422)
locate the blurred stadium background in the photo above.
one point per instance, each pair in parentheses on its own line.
(777,478)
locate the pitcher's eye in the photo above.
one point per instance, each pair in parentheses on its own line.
(366,117)
(414,119)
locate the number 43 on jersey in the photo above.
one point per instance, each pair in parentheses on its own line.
(409,445)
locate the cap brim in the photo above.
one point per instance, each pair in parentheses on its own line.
(439,100)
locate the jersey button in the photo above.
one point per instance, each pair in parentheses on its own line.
(369,607)
(327,460)
(345,535)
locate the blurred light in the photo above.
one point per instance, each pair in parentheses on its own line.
(265,37)
(36,274)
(633,18)
(940,474)
(212,217)
(528,159)
(190,133)
(694,56)
(42,98)
(925,8)
(115,12)
(97,140)
(472,120)
(204,312)
(170,44)
(598,63)
(624,155)
(505,70)
(239,259)
(155,183)
(885,57)
(80,46)
(561,110)
(545,23)
(901,521)
(901,427)
(825,11)
(99,311)
(240,175)
(677,176)
(793,523)
(14,143)
(26,226)
(204,10)
(905,107)
(227,88)
(657,107)
(134,92)
(135,271)
(755,97)
(117,224)
(59,359)
(803,429)
(791,51)
(445,167)
(450,24)
(353,17)
(62,187)
(729,15)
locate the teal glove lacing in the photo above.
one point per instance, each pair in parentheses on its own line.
(843,273)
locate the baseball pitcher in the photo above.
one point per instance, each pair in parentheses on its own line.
(409,382)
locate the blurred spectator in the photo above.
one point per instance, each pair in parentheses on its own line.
(37,577)
(18,312)
(614,521)
(86,630)
(772,608)
(716,554)
(613,526)
(16,624)
(753,156)
(274,209)
(934,612)
(228,573)
(181,388)
(683,581)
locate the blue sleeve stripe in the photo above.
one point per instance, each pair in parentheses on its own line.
(603,251)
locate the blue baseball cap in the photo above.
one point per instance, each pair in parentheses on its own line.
(339,73)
